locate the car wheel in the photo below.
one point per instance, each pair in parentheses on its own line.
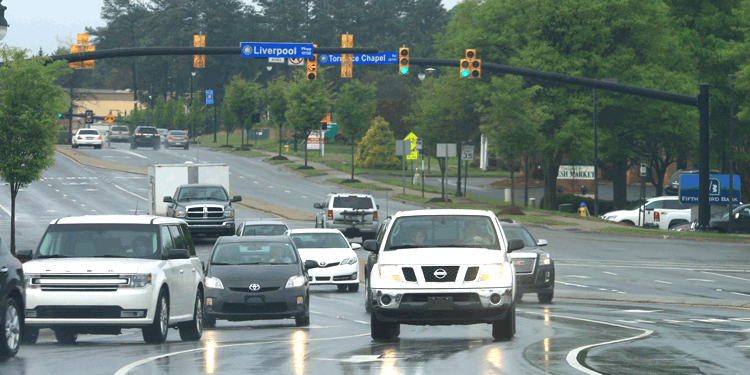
(505,328)
(65,336)
(628,222)
(193,330)
(30,335)
(354,287)
(383,331)
(519,297)
(156,332)
(342,287)
(545,297)
(368,296)
(11,324)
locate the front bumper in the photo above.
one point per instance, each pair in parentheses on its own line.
(210,225)
(235,305)
(341,274)
(441,306)
(542,280)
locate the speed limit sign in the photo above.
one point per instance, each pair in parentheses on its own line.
(467,153)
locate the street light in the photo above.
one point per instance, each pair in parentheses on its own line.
(3,22)
(420,76)
(731,78)
(269,67)
(596,152)
(192,79)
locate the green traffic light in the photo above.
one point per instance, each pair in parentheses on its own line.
(464,73)
(404,70)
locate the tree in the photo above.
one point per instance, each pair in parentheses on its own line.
(308,104)
(377,147)
(355,107)
(228,121)
(276,97)
(180,119)
(242,99)
(196,117)
(29,104)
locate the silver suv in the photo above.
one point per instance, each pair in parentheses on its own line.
(355,215)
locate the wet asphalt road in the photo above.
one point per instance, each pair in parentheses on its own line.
(565,337)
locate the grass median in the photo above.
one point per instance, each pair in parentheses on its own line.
(308,172)
(357,185)
(674,233)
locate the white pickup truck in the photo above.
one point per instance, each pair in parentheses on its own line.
(101,274)
(660,212)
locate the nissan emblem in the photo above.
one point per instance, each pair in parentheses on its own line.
(440,273)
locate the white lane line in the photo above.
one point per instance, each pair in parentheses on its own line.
(363,322)
(50,185)
(255,182)
(741,294)
(126,369)
(65,195)
(5,209)
(639,311)
(578,276)
(304,196)
(569,284)
(701,280)
(242,176)
(731,277)
(663,282)
(83,205)
(92,189)
(610,273)
(132,153)
(287,191)
(57,191)
(270,186)
(134,194)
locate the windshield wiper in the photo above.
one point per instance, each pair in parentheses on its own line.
(109,256)
(52,256)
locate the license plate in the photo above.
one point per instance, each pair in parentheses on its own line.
(254,301)
(89,138)
(440,303)
(147,135)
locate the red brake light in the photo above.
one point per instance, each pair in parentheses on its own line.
(375,215)
(330,214)
(185,138)
(656,216)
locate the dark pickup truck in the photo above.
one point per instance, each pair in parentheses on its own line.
(207,208)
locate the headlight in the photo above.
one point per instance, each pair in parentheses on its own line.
(349,261)
(391,273)
(27,280)
(294,281)
(139,280)
(229,213)
(544,259)
(179,214)
(492,272)
(214,283)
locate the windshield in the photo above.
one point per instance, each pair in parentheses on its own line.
(177,134)
(162,131)
(254,253)
(147,131)
(320,241)
(99,240)
(352,202)
(264,230)
(202,193)
(120,129)
(442,231)
(512,233)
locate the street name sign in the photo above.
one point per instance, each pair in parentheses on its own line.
(360,59)
(718,189)
(249,49)
(276,60)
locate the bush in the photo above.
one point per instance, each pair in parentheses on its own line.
(377,149)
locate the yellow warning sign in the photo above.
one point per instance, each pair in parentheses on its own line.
(412,138)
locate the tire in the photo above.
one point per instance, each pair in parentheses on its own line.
(193,330)
(98,147)
(342,287)
(30,335)
(368,296)
(354,287)
(505,328)
(519,297)
(209,322)
(10,323)
(383,331)
(156,332)
(65,336)
(545,297)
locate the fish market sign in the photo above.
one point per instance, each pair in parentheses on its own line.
(576,172)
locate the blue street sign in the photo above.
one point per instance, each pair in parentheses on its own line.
(209,97)
(360,59)
(276,49)
(718,189)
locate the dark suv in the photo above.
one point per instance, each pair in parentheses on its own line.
(145,136)
(673,186)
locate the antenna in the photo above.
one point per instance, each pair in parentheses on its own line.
(136,208)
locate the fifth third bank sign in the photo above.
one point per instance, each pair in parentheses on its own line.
(276,49)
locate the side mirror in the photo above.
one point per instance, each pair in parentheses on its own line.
(237,198)
(168,199)
(356,246)
(370,245)
(310,264)
(25,255)
(515,244)
(541,243)
(178,254)
(317,205)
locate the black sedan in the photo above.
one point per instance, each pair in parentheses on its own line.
(255,278)
(11,302)
(535,270)
(720,221)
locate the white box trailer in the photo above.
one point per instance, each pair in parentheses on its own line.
(163,180)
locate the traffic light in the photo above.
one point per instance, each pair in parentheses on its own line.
(465,68)
(476,68)
(471,67)
(312,66)
(403,61)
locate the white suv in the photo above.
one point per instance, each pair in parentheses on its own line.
(355,215)
(662,212)
(100,274)
(441,267)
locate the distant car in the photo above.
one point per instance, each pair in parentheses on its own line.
(162,134)
(741,223)
(673,185)
(535,270)
(355,215)
(177,138)
(12,293)
(660,212)
(253,278)
(338,263)
(119,133)
(87,137)
(145,136)
(261,228)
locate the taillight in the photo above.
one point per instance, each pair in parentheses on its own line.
(185,139)
(100,137)
(330,214)
(79,137)
(375,215)
(169,137)
(656,216)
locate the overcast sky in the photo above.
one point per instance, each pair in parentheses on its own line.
(50,23)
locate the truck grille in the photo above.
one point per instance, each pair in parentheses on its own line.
(409,274)
(429,273)
(242,308)
(211,212)
(524,265)
(79,283)
(78,312)
(457,297)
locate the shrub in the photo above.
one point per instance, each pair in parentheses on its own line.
(377,149)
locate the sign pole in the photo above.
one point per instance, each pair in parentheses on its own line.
(458,183)
(403,170)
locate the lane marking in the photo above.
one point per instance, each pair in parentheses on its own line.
(126,369)
(640,311)
(363,322)
(133,194)
(132,153)
(731,277)
(702,280)
(663,282)
(636,321)
(569,284)
(255,182)
(5,209)
(270,186)
(304,197)
(578,276)
(610,273)
(740,294)
(287,191)
(242,176)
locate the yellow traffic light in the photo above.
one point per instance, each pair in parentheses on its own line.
(76,49)
(312,66)
(403,61)
(471,53)
(471,67)
(199,61)
(88,64)
(476,68)
(465,65)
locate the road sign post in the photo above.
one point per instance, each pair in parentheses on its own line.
(445,151)
(642,207)
(467,154)
(403,149)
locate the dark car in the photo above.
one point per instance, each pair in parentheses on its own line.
(673,185)
(11,302)
(177,138)
(719,222)
(207,208)
(535,270)
(145,136)
(257,278)
(262,228)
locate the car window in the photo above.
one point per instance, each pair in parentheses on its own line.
(100,240)
(188,238)
(512,233)
(177,134)
(179,241)
(352,202)
(147,131)
(167,243)
(442,231)
(202,193)
(319,240)
(676,205)
(88,131)
(264,230)
(654,205)
(253,253)
(120,129)
(381,231)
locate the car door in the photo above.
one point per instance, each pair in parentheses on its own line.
(178,268)
(649,208)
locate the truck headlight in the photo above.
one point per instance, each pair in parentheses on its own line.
(139,280)
(229,213)
(294,281)
(391,273)
(28,280)
(492,272)
(349,261)
(214,283)
(179,213)
(544,259)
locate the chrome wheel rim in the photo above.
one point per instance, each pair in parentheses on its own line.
(164,318)
(12,327)
(199,315)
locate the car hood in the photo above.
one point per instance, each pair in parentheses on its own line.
(86,265)
(618,213)
(267,275)
(198,202)
(526,252)
(441,256)
(326,255)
